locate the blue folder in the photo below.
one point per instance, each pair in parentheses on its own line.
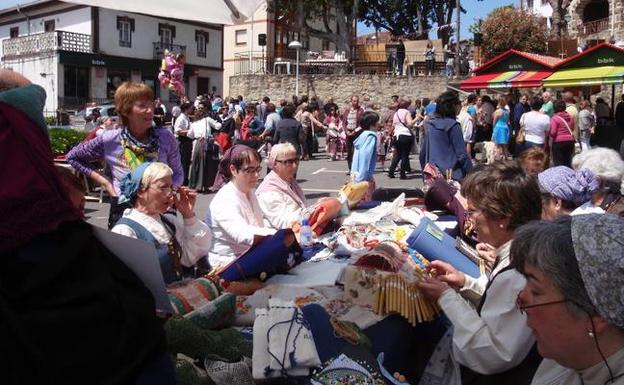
(434,244)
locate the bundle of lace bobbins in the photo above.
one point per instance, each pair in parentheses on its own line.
(397,294)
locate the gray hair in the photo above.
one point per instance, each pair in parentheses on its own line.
(548,247)
(604,162)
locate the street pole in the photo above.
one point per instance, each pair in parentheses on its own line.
(297,75)
(457,66)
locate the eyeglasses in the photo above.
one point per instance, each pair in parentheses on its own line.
(523,307)
(471,213)
(252,170)
(288,162)
(167,190)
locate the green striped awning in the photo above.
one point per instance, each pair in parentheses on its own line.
(586,76)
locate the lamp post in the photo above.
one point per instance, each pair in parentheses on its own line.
(296,45)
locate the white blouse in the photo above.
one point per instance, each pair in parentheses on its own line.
(279,209)
(499,339)
(234,218)
(551,373)
(192,234)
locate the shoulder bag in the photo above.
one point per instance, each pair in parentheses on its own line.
(520,136)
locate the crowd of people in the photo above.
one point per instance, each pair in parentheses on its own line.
(548,309)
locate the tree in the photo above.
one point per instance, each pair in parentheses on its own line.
(506,28)
(298,13)
(399,17)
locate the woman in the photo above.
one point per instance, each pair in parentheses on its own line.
(536,126)
(335,133)
(181,128)
(490,338)
(180,242)
(280,197)
(250,126)
(205,157)
(365,154)
(567,192)
(561,135)
(587,124)
(308,121)
(443,145)
(125,148)
(573,297)
(234,215)
(533,161)
(430,58)
(403,139)
(609,168)
(289,129)
(65,296)
(500,135)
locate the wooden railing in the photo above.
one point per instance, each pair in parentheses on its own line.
(46,42)
(593,27)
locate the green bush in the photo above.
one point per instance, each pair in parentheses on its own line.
(63,140)
(50,120)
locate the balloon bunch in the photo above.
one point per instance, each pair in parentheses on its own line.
(172,71)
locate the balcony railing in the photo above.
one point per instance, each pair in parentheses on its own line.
(160,47)
(595,26)
(46,42)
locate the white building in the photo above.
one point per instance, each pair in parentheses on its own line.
(80,54)
(244,55)
(539,7)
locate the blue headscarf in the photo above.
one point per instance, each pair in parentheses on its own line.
(131,183)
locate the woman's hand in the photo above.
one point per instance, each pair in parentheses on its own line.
(104,182)
(432,288)
(446,273)
(487,252)
(185,201)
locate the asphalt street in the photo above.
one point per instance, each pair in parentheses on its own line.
(318,178)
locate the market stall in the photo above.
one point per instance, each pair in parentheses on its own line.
(511,69)
(352,305)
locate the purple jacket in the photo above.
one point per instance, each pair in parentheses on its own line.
(108,147)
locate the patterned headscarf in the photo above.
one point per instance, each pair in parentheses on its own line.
(599,250)
(32,198)
(564,183)
(131,183)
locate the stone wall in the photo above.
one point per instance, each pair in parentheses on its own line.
(377,88)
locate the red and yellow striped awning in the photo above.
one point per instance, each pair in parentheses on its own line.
(509,79)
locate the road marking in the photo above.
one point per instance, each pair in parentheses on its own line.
(320,170)
(319,190)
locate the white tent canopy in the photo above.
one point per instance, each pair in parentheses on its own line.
(205,11)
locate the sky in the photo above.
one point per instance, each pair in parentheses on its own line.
(474,10)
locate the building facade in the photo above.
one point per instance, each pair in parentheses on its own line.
(81,54)
(244,53)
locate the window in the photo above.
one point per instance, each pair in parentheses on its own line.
(201,38)
(76,82)
(49,25)
(241,36)
(125,26)
(201,46)
(325,45)
(14,32)
(167,33)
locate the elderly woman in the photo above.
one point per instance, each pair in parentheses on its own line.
(180,242)
(125,148)
(280,197)
(234,215)
(573,298)
(609,168)
(565,191)
(489,339)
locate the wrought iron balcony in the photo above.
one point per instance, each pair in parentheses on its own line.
(593,27)
(46,42)
(160,47)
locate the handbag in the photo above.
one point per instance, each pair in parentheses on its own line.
(520,136)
